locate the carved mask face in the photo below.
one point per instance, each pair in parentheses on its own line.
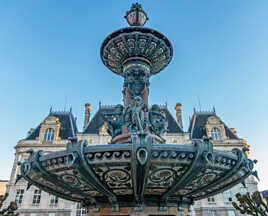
(136,77)
(138,100)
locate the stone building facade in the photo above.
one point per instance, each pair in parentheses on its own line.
(52,135)
(3,184)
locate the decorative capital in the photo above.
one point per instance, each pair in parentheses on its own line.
(136,16)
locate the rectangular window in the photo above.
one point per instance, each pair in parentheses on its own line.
(211,200)
(227,196)
(243,191)
(37,197)
(53,200)
(19,196)
(80,211)
(52,214)
(231,213)
(213,213)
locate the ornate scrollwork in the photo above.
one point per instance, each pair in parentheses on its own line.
(146,43)
(163,176)
(71,179)
(108,155)
(117,178)
(203,179)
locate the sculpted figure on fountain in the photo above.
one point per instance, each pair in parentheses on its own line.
(114,120)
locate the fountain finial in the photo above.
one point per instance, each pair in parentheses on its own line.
(136,16)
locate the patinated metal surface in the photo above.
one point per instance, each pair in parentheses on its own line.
(137,43)
(139,169)
(139,174)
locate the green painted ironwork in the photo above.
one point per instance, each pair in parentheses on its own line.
(142,170)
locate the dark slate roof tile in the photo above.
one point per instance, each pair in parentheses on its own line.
(197,126)
(173,126)
(96,122)
(68,126)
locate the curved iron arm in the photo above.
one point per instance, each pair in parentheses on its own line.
(227,175)
(51,177)
(77,149)
(202,152)
(25,169)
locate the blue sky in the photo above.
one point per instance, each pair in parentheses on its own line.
(49,56)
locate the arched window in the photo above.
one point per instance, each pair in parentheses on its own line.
(49,134)
(215,134)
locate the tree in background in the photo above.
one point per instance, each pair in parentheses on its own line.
(10,210)
(251,204)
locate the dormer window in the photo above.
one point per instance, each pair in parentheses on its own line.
(49,134)
(216,134)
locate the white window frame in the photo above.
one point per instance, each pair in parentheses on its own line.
(80,211)
(243,190)
(19,196)
(53,200)
(216,133)
(49,134)
(211,199)
(231,213)
(213,213)
(227,195)
(37,197)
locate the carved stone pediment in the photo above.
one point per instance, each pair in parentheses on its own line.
(216,123)
(51,122)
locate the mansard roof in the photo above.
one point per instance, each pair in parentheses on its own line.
(264,193)
(68,125)
(96,122)
(198,122)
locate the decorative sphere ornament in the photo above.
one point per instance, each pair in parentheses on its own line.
(136,16)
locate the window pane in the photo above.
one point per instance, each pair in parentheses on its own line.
(19,196)
(49,134)
(37,197)
(231,213)
(215,134)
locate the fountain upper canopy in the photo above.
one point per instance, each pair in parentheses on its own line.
(136,43)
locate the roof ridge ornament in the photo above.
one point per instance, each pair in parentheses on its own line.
(136,16)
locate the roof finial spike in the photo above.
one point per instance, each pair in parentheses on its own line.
(50,110)
(194,110)
(214,110)
(71,109)
(99,104)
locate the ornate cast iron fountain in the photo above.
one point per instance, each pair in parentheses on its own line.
(138,168)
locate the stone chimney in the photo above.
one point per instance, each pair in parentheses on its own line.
(178,114)
(87,114)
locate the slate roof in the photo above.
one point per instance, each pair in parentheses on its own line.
(96,122)
(68,126)
(197,125)
(265,193)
